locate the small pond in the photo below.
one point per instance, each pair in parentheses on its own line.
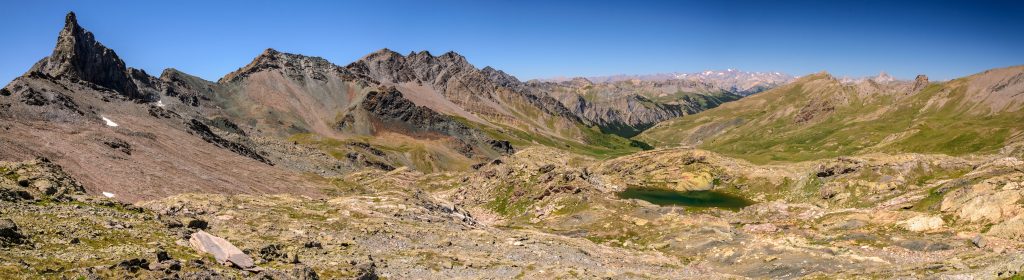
(688,198)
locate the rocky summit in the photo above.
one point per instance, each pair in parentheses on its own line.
(424,166)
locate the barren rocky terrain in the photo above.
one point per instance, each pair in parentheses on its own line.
(425,167)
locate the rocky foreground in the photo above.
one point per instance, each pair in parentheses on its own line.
(540,214)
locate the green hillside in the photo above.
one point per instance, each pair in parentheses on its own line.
(818,117)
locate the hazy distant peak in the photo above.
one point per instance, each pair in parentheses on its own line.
(883,78)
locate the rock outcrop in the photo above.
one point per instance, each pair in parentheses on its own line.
(190,90)
(395,113)
(203,131)
(920,82)
(35,180)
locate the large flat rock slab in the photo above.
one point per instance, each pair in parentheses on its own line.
(222,250)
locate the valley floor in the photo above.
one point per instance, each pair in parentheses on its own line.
(543,214)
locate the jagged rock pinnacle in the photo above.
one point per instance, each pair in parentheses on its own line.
(78,55)
(920,82)
(70,20)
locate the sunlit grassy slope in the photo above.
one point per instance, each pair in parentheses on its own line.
(819,117)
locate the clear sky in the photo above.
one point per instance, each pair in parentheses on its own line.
(535,39)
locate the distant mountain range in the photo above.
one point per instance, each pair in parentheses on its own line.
(628,104)
(731,80)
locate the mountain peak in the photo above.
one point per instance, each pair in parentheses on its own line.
(819,74)
(580,82)
(454,56)
(385,52)
(273,59)
(391,67)
(269,55)
(78,55)
(70,19)
(883,78)
(269,52)
(421,53)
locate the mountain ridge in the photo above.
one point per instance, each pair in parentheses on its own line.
(733,80)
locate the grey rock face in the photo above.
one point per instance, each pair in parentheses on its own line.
(627,108)
(78,56)
(187,88)
(625,116)
(203,131)
(457,79)
(390,106)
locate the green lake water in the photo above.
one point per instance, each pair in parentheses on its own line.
(690,198)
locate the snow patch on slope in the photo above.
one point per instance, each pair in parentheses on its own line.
(109,122)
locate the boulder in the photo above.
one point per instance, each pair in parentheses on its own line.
(222,250)
(923,223)
(979,241)
(133,265)
(983,204)
(272,252)
(367,271)
(1012,228)
(9,233)
(45,186)
(198,224)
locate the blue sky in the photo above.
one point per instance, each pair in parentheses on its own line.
(531,39)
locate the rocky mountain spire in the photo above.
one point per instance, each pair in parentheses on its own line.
(920,83)
(79,56)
